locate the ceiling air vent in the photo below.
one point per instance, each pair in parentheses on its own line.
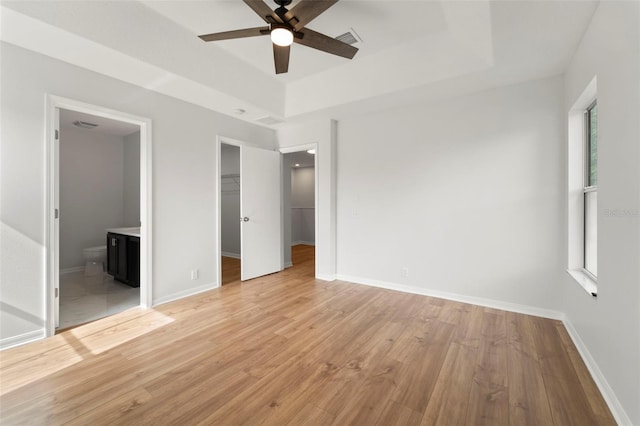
(268,120)
(84,124)
(350,37)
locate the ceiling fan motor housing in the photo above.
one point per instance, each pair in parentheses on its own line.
(282,9)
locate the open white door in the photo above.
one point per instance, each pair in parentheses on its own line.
(56,226)
(260,205)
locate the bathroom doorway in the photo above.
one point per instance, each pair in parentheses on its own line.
(99,181)
(99,191)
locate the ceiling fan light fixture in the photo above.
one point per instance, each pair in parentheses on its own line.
(281,36)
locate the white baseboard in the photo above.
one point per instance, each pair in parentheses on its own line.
(21,339)
(303,243)
(608,394)
(185,293)
(229,254)
(71,270)
(288,265)
(489,303)
(326,277)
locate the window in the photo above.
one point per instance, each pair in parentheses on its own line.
(591,190)
(582,189)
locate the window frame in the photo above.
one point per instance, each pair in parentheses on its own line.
(588,188)
(576,178)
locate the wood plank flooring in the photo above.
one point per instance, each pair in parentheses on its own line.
(230,270)
(287,349)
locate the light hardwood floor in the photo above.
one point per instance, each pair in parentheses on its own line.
(288,349)
(230,270)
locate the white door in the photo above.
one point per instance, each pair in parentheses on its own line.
(56,227)
(260,190)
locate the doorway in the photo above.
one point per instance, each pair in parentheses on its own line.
(300,205)
(85,179)
(258,218)
(230,213)
(99,189)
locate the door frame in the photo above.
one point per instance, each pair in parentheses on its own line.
(52,175)
(316,199)
(219,141)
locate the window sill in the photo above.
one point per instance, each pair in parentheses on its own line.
(586,282)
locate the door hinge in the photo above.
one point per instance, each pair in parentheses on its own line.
(57,292)
(57,213)
(57,135)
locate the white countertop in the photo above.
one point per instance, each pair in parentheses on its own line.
(133,232)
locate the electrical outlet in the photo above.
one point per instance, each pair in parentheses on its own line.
(195,273)
(404,272)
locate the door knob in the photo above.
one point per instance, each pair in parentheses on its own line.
(244,219)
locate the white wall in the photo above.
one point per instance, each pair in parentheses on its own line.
(609,326)
(132,180)
(91,190)
(302,187)
(184,176)
(230,201)
(303,205)
(466,194)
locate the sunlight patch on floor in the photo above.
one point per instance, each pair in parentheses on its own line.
(121,333)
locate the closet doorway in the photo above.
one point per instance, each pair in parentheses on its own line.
(230,213)
(249,215)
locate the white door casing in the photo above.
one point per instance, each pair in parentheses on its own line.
(52,120)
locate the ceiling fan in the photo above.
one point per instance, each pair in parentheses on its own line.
(288,26)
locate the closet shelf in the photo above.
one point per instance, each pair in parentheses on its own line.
(230,184)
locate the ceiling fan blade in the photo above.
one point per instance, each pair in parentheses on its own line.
(264,11)
(325,43)
(227,35)
(306,11)
(281,58)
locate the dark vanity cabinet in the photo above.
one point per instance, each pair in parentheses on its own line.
(123,258)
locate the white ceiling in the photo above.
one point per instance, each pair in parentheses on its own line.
(412,51)
(105,126)
(379,24)
(302,158)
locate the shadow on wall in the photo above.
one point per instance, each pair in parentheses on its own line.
(21,269)
(5,308)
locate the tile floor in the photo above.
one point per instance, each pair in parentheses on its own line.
(87,298)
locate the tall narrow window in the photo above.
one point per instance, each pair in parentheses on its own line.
(591,190)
